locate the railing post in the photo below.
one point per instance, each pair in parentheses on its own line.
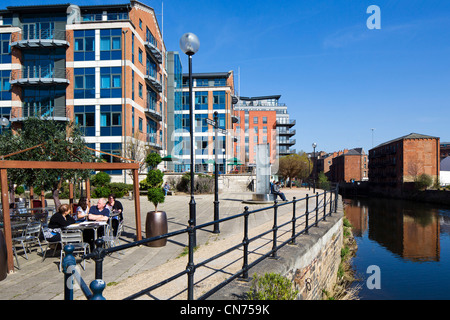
(324,205)
(97,286)
(245,243)
(190,266)
(293,222)
(68,265)
(99,256)
(275,228)
(317,209)
(336,198)
(307,215)
(331,201)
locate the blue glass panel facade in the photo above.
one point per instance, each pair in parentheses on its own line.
(84,41)
(110,44)
(111,82)
(5,49)
(84,83)
(112,148)
(111,120)
(5,86)
(85,118)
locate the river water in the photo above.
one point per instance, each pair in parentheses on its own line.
(403,249)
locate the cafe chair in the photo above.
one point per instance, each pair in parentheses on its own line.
(75,238)
(30,236)
(111,240)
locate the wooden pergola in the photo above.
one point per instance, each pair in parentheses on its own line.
(97,166)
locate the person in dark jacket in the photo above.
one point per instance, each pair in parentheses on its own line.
(58,221)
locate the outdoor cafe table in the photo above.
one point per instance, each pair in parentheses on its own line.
(87,225)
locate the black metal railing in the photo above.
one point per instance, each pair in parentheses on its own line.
(325,204)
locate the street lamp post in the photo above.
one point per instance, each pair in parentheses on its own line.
(190,44)
(314,145)
(216,172)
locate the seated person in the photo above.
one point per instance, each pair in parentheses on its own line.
(277,192)
(58,221)
(166,188)
(82,210)
(96,213)
(115,207)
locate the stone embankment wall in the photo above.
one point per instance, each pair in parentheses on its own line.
(311,263)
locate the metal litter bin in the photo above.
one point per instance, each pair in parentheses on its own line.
(156,225)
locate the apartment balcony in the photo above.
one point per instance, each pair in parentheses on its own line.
(287,152)
(153,113)
(39,38)
(153,81)
(39,75)
(57,113)
(288,124)
(287,133)
(152,141)
(289,142)
(156,53)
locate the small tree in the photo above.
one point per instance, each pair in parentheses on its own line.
(155,180)
(423,181)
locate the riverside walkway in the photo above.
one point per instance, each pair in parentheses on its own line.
(140,267)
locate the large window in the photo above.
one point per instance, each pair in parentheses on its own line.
(201,101)
(84,41)
(84,83)
(5,86)
(219,100)
(111,82)
(114,149)
(5,50)
(85,118)
(111,120)
(110,44)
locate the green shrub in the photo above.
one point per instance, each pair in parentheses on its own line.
(100,179)
(101,192)
(154,180)
(120,189)
(423,181)
(20,190)
(271,286)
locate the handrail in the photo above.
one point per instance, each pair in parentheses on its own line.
(327,205)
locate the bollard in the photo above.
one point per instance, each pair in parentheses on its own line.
(68,265)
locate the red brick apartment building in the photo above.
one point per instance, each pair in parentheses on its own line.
(400,161)
(350,166)
(325,160)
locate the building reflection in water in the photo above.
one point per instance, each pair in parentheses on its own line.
(407,229)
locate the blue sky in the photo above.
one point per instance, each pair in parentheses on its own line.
(338,78)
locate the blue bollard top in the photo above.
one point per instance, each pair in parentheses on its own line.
(97,286)
(69,259)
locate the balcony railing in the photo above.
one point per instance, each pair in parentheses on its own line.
(156,53)
(38,75)
(289,142)
(152,79)
(45,112)
(285,123)
(152,141)
(34,38)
